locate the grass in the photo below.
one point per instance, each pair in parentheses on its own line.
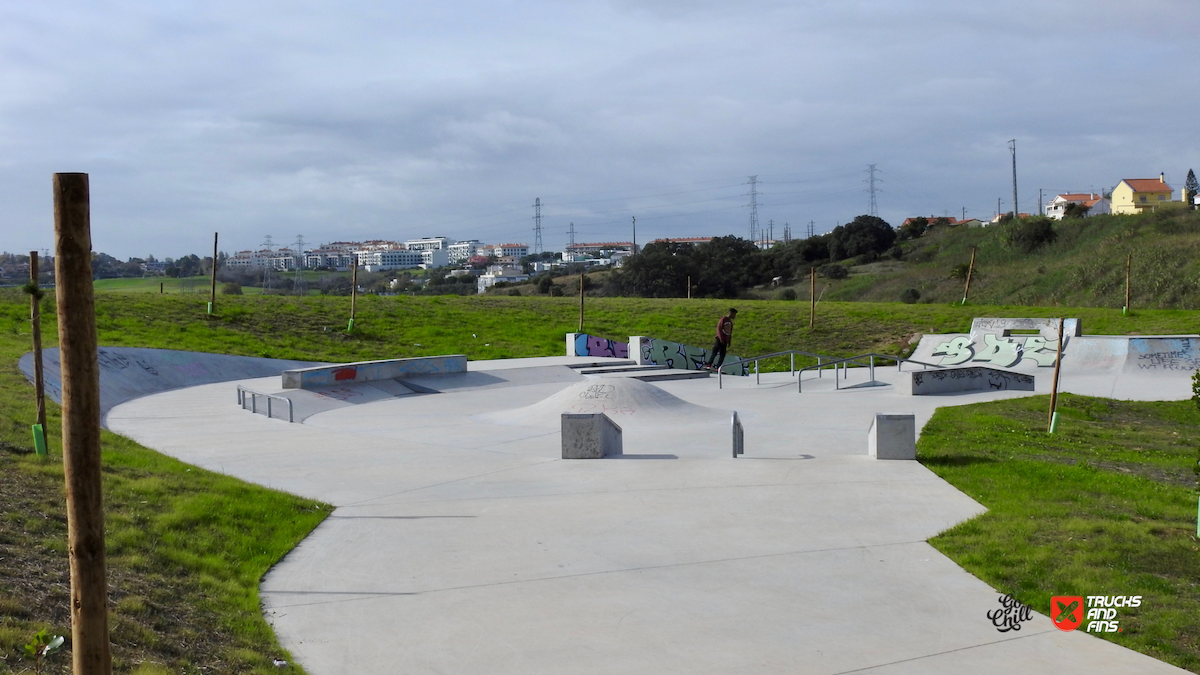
(187,547)
(1105,506)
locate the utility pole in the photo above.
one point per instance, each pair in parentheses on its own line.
(212,296)
(90,649)
(353,291)
(268,245)
(634,252)
(1040,212)
(873,209)
(571,235)
(1012,145)
(753,208)
(298,284)
(537,225)
(964,217)
(787,233)
(812,224)
(997,207)
(770,230)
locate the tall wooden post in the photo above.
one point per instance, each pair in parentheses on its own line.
(1054,387)
(581,285)
(970,271)
(212,297)
(1128,266)
(35,318)
(812,291)
(689,282)
(353,293)
(90,649)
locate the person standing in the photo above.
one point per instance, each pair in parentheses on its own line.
(716,356)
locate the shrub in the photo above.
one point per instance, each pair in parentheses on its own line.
(787,294)
(896,253)
(231,288)
(515,292)
(960,271)
(910,295)
(556,291)
(833,271)
(544,284)
(1029,234)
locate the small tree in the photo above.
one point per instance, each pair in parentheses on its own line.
(910,296)
(1190,189)
(1076,210)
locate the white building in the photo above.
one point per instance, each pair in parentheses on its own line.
(428,244)
(389,259)
(434,257)
(462,251)
(507,274)
(1097,204)
(517,251)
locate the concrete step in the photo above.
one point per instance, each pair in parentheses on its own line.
(601,364)
(670,375)
(621,368)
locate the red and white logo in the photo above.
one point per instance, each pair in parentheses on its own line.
(1066,611)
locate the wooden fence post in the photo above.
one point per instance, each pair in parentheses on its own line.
(1128,265)
(353,292)
(970,271)
(581,286)
(90,650)
(1050,423)
(812,291)
(39,380)
(212,298)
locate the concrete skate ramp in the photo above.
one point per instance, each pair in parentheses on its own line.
(628,402)
(127,373)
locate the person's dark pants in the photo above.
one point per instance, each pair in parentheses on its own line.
(716,355)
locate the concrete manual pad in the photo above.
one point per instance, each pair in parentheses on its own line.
(464,545)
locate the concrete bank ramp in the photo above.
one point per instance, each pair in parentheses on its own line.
(628,402)
(127,373)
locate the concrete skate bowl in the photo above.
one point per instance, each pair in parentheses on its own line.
(628,402)
(127,373)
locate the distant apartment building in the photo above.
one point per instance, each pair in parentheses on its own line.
(1096,204)
(1138,195)
(517,251)
(434,257)
(462,251)
(389,259)
(498,273)
(428,244)
(684,240)
(276,259)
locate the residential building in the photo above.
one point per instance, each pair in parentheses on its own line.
(462,251)
(428,244)
(1138,195)
(1096,204)
(389,259)
(434,257)
(517,251)
(496,274)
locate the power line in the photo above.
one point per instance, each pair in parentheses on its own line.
(298,256)
(537,225)
(753,208)
(873,210)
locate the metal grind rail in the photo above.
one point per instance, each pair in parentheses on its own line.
(241,398)
(823,361)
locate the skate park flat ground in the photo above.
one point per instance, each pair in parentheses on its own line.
(462,543)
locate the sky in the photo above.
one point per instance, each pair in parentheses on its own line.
(365,120)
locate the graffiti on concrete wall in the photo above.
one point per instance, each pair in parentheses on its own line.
(592,345)
(970,379)
(1166,354)
(1005,352)
(683,357)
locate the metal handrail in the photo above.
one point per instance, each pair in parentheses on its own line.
(900,361)
(241,398)
(822,363)
(756,359)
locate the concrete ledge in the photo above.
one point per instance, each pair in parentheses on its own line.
(582,344)
(368,371)
(589,436)
(967,378)
(893,436)
(650,351)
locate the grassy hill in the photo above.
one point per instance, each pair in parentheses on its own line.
(1084,267)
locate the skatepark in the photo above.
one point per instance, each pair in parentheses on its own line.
(462,541)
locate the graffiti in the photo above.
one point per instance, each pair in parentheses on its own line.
(598,391)
(1047,328)
(342,374)
(1182,357)
(587,408)
(114,361)
(1005,352)
(591,345)
(683,357)
(969,379)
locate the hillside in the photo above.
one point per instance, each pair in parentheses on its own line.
(1083,267)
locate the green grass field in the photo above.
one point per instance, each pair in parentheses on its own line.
(1116,475)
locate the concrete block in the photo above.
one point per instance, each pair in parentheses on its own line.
(589,436)
(893,436)
(370,371)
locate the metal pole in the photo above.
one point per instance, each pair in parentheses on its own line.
(80,368)
(756,379)
(792,363)
(1128,266)
(1054,389)
(212,297)
(970,272)
(353,292)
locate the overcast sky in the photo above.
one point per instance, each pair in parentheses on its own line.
(358,120)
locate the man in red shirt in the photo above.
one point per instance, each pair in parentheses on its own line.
(716,356)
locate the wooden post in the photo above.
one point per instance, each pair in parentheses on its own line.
(970,271)
(1054,387)
(1128,265)
(90,649)
(212,297)
(35,318)
(160,288)
(581,302)
(689,295)
(812,290)
(353,293)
